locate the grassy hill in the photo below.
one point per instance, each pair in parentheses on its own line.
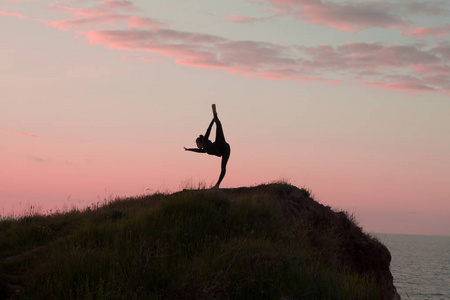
(265,242)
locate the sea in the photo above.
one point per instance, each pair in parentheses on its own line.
(420,265)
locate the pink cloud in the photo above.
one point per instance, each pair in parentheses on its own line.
(406,84)
(443,50)
(434,69)
(345,16)
(105,19)
(119,4)
(247,58)
(369,57)
(440,80)
(360,15)
(426,70)
(186,48)
(275,62)
(13,14)
(100,19)
(104,14)
(139,22)
(241,19)
(437,32)
(26,135)
(107,6)
(431,82)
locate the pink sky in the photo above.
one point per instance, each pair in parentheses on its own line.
(346,98)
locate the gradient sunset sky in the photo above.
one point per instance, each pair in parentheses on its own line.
(350,99)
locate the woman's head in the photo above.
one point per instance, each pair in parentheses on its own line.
(199,141)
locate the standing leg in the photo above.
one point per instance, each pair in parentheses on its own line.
(223,168)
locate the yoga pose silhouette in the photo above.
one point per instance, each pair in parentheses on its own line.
(219,148)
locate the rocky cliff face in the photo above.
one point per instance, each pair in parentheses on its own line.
(358,251)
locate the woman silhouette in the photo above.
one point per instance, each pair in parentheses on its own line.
(219,148)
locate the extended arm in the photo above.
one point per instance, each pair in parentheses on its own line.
(195,150)
(208,131)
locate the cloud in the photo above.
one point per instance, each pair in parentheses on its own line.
(26,135)
(103,14)
(107,6)
(443,50)
(359,15)
(345,16)
(39,159)
(427,8)
(406,83)
(248,19)
(425,67)
(12,14)
(247,58)
(105,19)
(119,4)
(241,19)
(436,32)
(373,58)
(395,67)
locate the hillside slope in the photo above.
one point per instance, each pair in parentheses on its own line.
(265,242)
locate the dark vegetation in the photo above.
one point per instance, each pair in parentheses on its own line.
(265,242)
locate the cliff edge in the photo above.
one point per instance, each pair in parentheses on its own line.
(358,251)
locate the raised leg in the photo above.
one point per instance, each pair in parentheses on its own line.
(220,138)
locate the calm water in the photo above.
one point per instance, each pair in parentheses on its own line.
(420,265)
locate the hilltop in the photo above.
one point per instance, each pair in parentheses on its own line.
(265,242)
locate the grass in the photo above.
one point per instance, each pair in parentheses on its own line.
(189,245)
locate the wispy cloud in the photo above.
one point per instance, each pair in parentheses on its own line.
(236,18)
(119,4)
(105,13)
(39,159)
(437,32)
(358,15)
(272,61)
(247,58)
(401,83)
(241,19)
(12,14)
(26,135)
(402,68)
(426,8)
(346,16)
(99,15)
